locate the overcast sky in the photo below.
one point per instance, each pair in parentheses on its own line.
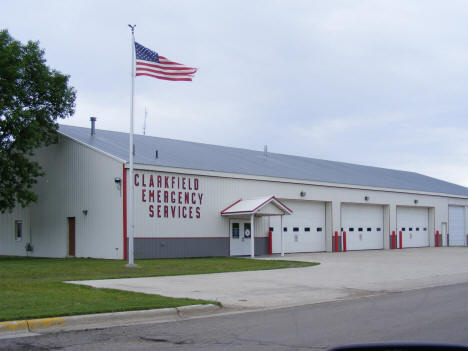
(381,83)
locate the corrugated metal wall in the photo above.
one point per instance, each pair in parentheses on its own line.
(176,191)
(189,211)
(79,182)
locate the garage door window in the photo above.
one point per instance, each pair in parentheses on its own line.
(319,229)
(307,229)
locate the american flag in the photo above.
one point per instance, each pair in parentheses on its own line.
(149,63)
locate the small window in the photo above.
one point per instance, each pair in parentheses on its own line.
(417,229)
(351,229)
(295,229)
(247,230)
(319,229)
(410,229)
(18,230)
(307,229)
(272,229)
(379,229)
(424,229)
(403,229)
(360,230)
(369,229)
(235,230)
(285,229)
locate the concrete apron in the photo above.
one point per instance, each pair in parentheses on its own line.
(339,276)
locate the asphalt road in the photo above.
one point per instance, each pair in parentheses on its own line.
(429,315)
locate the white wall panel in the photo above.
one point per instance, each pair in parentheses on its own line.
(172,209)
(8,243)
(220,192)
(77,179)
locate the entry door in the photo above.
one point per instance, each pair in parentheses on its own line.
(240,236)
(71,236)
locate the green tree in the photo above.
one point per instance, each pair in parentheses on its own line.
(32,98)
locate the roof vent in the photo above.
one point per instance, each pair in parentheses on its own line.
(93,125)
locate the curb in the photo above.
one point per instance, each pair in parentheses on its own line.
(32,324)
(115,318)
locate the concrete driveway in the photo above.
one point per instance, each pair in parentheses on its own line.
(339,276)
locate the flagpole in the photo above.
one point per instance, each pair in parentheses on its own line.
(131,214)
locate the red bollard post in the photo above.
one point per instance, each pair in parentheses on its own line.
(393,240)
(437,239)
(401,239)
(270,242)
(344,241)
(337,248)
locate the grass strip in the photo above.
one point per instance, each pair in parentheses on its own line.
(34,288)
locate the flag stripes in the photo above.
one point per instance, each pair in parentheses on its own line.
(149,63)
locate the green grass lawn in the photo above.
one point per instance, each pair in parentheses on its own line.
(34,288)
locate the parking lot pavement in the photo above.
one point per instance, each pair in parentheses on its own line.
(339,276)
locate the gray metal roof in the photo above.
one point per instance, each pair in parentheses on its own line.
(190,155)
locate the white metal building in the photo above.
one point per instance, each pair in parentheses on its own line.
(195,200)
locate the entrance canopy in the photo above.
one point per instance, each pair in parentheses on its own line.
(262,206)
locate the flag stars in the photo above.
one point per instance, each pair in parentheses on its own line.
(146,54)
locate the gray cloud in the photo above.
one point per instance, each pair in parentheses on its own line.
(379,83)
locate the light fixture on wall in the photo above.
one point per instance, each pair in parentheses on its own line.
(85,212)
(415,202)
(302,193)
(366,198)
(118,182)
